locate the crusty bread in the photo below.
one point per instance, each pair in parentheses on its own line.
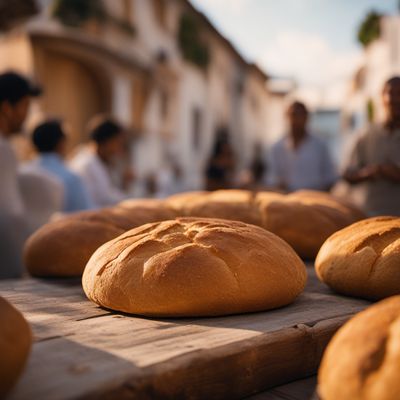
(15,344)
(194,267)
(304,219)
(62,248)
(144,211)
(235,205)
(113,216)
(180,201)
(362,360)
(363,259)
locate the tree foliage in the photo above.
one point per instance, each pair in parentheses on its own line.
(76,12)
(191,44)
(370,28)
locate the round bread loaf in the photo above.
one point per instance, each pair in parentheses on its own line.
(62,248)
(363,259)
(144,211)
(194,267)
(235,205)
(362,360)
(304,219)
(15,344)
(180,201)
(314,197)
(114,216)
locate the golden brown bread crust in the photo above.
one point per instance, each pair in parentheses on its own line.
(304,219)
(235,205)
(15,344)
(362,360)
(363,259)
(179,202)
(144,211)
(128,215)
(194,267)
(62,248)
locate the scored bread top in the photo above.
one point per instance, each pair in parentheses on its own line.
(363,259)
(194,267)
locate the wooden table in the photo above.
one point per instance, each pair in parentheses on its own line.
(302,389)
(83,351)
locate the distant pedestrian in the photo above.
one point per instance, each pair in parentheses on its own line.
(15,97)
(374,164)
(94,164)
(50,141)
(221,165)
(300,160)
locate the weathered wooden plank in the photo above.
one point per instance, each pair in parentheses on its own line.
(82,351)
(303,389)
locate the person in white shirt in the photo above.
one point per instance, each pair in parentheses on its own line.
(94,164)
(15,97)
(300,160)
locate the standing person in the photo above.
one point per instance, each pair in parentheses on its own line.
(15,97)
(50,142)
(375,158)
(221,165)
(258,166)
(94,164)
(300,160)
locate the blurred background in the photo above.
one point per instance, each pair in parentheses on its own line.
(182,75)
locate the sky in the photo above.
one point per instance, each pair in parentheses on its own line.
(312,41)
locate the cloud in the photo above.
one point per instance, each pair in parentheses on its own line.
(310,59)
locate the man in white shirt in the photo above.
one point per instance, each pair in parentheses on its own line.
(15,97)
(94,164)
(300,160)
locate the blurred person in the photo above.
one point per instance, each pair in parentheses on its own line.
(221,165)
(169,179)
(258,166)
(15,97)
(300,160)
(374,162)
(94,165)
(42,194)
(50,141)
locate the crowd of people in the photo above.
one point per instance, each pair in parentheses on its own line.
(300,160)
(33,192)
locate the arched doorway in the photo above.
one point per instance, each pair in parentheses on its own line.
(73,90)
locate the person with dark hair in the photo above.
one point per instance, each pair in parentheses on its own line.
(50,142)
(300,160)
(15,96)
(94,165)
(258,166)
(220,168)
(374,163)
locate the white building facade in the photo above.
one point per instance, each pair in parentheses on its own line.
(381,62)
(133,66)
